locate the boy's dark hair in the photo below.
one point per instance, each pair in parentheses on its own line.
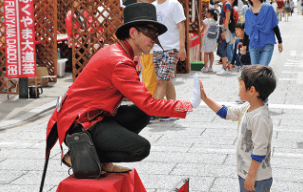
(240,25)
(261,77)
(214,13)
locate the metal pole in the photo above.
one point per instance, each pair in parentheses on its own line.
(23,88)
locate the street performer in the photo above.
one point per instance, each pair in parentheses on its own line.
(92,102)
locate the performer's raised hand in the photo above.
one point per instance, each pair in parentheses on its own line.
(196,99)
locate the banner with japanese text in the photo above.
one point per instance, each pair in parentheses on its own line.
(20,38)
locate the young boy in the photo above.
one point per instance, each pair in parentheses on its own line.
(240,60)
(255,127)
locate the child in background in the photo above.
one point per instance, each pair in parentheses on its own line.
(209,40)
(255,127)
(240,60)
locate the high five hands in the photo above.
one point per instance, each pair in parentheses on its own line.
(198,92)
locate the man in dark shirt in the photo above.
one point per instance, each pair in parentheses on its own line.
(222,47)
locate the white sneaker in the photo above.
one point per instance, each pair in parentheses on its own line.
(222,72)
(210,69)
(204,70)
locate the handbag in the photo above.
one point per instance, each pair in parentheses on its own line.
(84,157)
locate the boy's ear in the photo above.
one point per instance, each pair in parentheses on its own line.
(253,90)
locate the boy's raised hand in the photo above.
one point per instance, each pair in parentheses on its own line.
(211,104)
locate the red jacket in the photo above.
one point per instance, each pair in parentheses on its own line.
(109,76)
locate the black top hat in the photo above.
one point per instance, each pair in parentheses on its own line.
(140,14)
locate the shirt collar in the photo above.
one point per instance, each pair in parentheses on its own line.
(128,49)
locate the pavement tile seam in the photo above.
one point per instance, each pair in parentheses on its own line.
(187,151)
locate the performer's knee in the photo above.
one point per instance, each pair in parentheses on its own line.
(143,151)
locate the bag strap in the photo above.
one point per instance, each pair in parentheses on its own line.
(231,13)
(224,6)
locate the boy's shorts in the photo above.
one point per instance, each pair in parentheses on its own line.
(165,63)
(222,47)
(260,186)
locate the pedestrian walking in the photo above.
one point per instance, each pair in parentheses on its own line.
(299,2)
(287,9)
(171,14)
(224,33)
(209,40)
(91,105)
(280,7)
(255,127)
(261,26)
(292,6)
(230,39)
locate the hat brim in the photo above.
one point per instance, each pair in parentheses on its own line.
(160,27)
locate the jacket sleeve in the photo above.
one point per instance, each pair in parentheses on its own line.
(126,80)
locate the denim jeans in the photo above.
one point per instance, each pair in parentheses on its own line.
(260,186)
(261,55)
(230,49)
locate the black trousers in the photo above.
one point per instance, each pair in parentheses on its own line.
(116,138)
